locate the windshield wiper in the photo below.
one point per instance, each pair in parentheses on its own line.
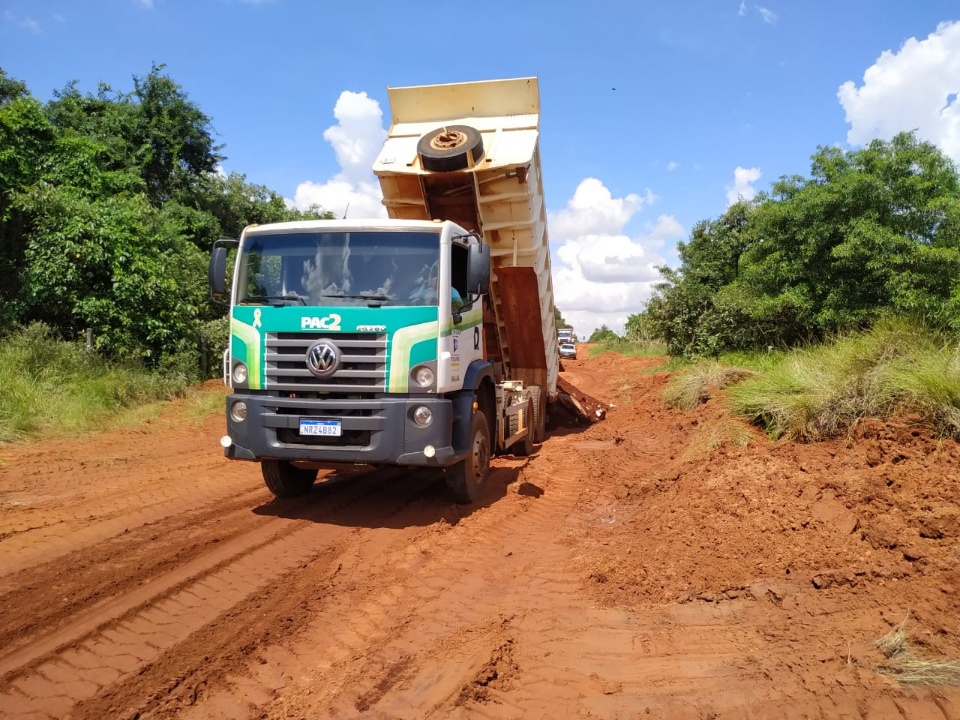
(273,298)
(370,298)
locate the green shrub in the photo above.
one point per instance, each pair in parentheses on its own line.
(55,387)
(822,391)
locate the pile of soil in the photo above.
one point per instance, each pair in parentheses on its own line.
(692,515)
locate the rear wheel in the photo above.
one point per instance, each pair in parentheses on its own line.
(468,478)
(284,479)
(539,401)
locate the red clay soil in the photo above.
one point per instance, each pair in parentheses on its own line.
(648,565)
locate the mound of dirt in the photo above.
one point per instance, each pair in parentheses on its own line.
(699,507)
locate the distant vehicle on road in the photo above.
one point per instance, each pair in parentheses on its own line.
(568,350)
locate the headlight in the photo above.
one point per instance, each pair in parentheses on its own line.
(240,373)
(423,376)
(239,411)
(422,415)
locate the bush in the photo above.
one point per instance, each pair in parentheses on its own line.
(823,391)
(56,387)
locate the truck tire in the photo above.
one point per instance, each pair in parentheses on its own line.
(448,149)
(525,446)
(285,480)
(539,401)
(467,479)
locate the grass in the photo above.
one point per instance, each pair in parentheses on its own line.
(825,390)
(910,669)
(697,384)
(630,349)
(714,435)
(54,388)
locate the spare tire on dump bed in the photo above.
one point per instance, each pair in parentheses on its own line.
(450,148)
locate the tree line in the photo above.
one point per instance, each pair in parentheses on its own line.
(109,205)
(110,202)
(871,232)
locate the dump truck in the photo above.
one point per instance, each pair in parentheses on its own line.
(424,339)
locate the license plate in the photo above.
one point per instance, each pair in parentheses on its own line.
(330,428)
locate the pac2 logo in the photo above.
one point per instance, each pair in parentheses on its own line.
(330,322)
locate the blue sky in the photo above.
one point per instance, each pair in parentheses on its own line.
(647,109)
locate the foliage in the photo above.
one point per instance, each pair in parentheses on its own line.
(824,390)
(57,388)
(109,204)
(697,384)
(640,329)
(26,140)
(558,318)
(872,231)
(604,335)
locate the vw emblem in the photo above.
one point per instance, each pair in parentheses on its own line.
(323,358)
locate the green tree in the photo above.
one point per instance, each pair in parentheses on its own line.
(111,262)
(26,141)
(235,203)
(603,334)
(155,129)
(11,88)
(174,137)
(685,310)
(872,231)
(639,328)
(558,318)
(108,205)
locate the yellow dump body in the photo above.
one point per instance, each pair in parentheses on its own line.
(499,194)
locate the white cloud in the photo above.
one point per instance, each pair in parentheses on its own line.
(601,275)
(743,8)
(594,211)
(742,188)
(26,22)
(146,4)
(912,89)
(672,165)
(768,15)
(356,139)
(59,18)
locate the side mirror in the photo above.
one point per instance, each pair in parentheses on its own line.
(217,272)
(478,268)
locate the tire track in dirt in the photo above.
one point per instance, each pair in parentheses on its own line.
(410,607)
(401,512)
(59,497)
(107,569)
(47,533)
(52,672)
(429,602)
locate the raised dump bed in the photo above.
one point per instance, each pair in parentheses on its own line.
(469,153)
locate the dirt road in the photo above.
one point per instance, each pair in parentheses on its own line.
(646,566)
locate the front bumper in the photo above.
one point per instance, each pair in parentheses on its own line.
(377,431)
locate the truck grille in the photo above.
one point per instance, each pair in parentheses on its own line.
(363,363)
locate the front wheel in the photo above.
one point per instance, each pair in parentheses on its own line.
(285,480)
(467,479)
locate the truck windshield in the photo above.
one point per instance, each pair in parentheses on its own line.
(340,268)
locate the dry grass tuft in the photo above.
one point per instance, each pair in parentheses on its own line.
(714,435)
(894,642)
(909,669)
(689,389)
